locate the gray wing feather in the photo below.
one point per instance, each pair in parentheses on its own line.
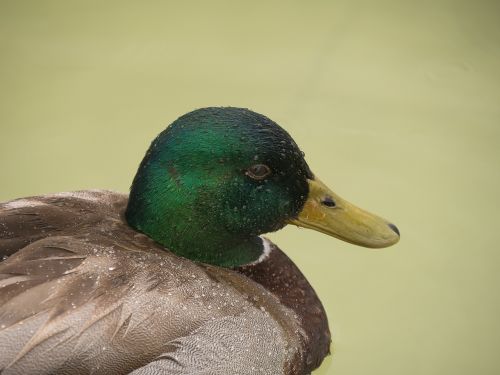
(237,345)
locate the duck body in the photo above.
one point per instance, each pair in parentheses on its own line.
(81,292)
(174,278)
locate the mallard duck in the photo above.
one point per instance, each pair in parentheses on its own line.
(175,278)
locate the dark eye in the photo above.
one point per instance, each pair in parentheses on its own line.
(258,171)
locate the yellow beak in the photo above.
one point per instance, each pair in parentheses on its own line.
(326,212)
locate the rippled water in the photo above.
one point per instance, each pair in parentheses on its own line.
(396,105)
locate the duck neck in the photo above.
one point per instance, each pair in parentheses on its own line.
(189,230)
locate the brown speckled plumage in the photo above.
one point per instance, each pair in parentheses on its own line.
(83,293)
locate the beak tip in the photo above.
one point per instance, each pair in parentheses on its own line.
(394,229)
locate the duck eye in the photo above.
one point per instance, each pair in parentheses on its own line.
(258,171)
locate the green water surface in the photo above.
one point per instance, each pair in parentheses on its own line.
(395,103)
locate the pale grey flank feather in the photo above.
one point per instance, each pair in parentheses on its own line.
(242,344)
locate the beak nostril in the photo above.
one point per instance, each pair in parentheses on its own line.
(328,202)
(394,228)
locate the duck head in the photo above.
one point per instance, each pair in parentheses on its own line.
(217,178)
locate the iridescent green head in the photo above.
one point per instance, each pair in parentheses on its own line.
(216,178)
